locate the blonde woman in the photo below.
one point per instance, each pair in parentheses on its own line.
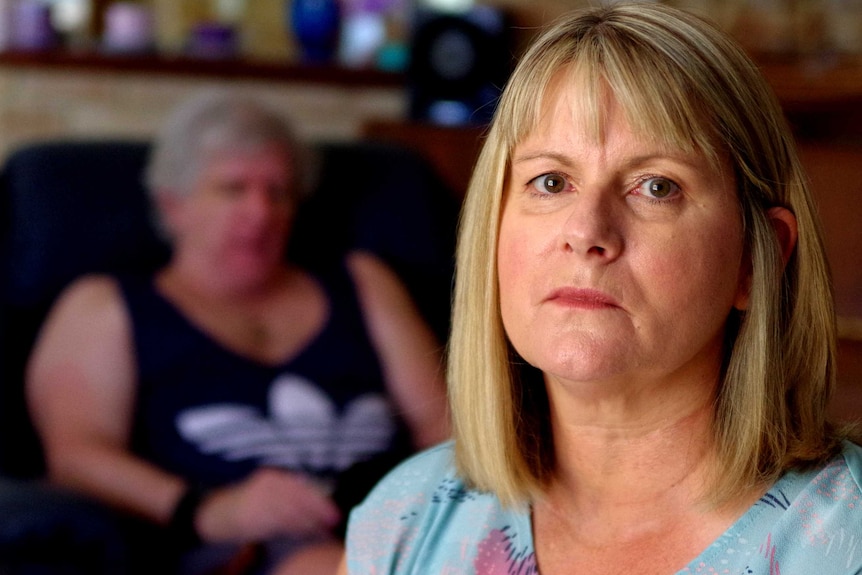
(643,339)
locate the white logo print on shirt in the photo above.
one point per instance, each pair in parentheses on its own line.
(303,430)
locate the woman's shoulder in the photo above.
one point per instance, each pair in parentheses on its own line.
(809,521)
(850,461)
(423,518)
(406,498)
(852,455)
(420,475)
(833,489)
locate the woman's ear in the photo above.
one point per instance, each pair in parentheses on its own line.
(786,231)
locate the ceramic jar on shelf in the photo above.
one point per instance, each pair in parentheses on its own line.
(315,25)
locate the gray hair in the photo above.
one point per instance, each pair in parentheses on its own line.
(212,121)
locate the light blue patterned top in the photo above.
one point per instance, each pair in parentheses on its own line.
(421,520)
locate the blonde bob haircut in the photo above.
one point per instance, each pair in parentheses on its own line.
(688,86)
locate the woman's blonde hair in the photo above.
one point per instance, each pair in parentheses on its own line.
(686,84)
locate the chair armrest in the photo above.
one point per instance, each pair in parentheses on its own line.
(45,529)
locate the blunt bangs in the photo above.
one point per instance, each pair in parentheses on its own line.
(669,105)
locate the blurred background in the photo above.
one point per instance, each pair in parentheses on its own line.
(420,74)
(89,67)
(423,73)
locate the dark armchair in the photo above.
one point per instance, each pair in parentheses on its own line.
(73,207)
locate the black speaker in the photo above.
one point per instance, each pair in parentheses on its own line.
(458,65)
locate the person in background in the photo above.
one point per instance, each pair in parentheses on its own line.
(643,341)
(223,397)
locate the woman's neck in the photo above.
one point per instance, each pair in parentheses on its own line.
(660,452)
(632,499)
(620,465)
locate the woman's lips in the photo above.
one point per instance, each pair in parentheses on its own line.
(582,298)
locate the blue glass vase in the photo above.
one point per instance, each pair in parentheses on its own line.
(316,25)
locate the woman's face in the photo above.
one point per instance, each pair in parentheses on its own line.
(618,261)
(237,216)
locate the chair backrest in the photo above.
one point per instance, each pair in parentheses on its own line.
(69,208)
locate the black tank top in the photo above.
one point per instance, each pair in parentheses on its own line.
(211,415)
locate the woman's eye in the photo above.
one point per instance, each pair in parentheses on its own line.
(658,188)
(549,183)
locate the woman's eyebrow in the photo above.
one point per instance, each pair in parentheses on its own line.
(555,156)
(691,160)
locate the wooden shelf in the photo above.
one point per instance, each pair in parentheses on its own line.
(235,68)
(803,85)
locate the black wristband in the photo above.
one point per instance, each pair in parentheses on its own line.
(181,527)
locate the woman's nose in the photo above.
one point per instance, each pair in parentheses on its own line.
(593,226)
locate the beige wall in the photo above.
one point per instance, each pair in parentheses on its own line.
(49,103)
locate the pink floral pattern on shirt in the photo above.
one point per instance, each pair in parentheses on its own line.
(497,555)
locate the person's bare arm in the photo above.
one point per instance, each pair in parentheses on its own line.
(410,353)
(81,390)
